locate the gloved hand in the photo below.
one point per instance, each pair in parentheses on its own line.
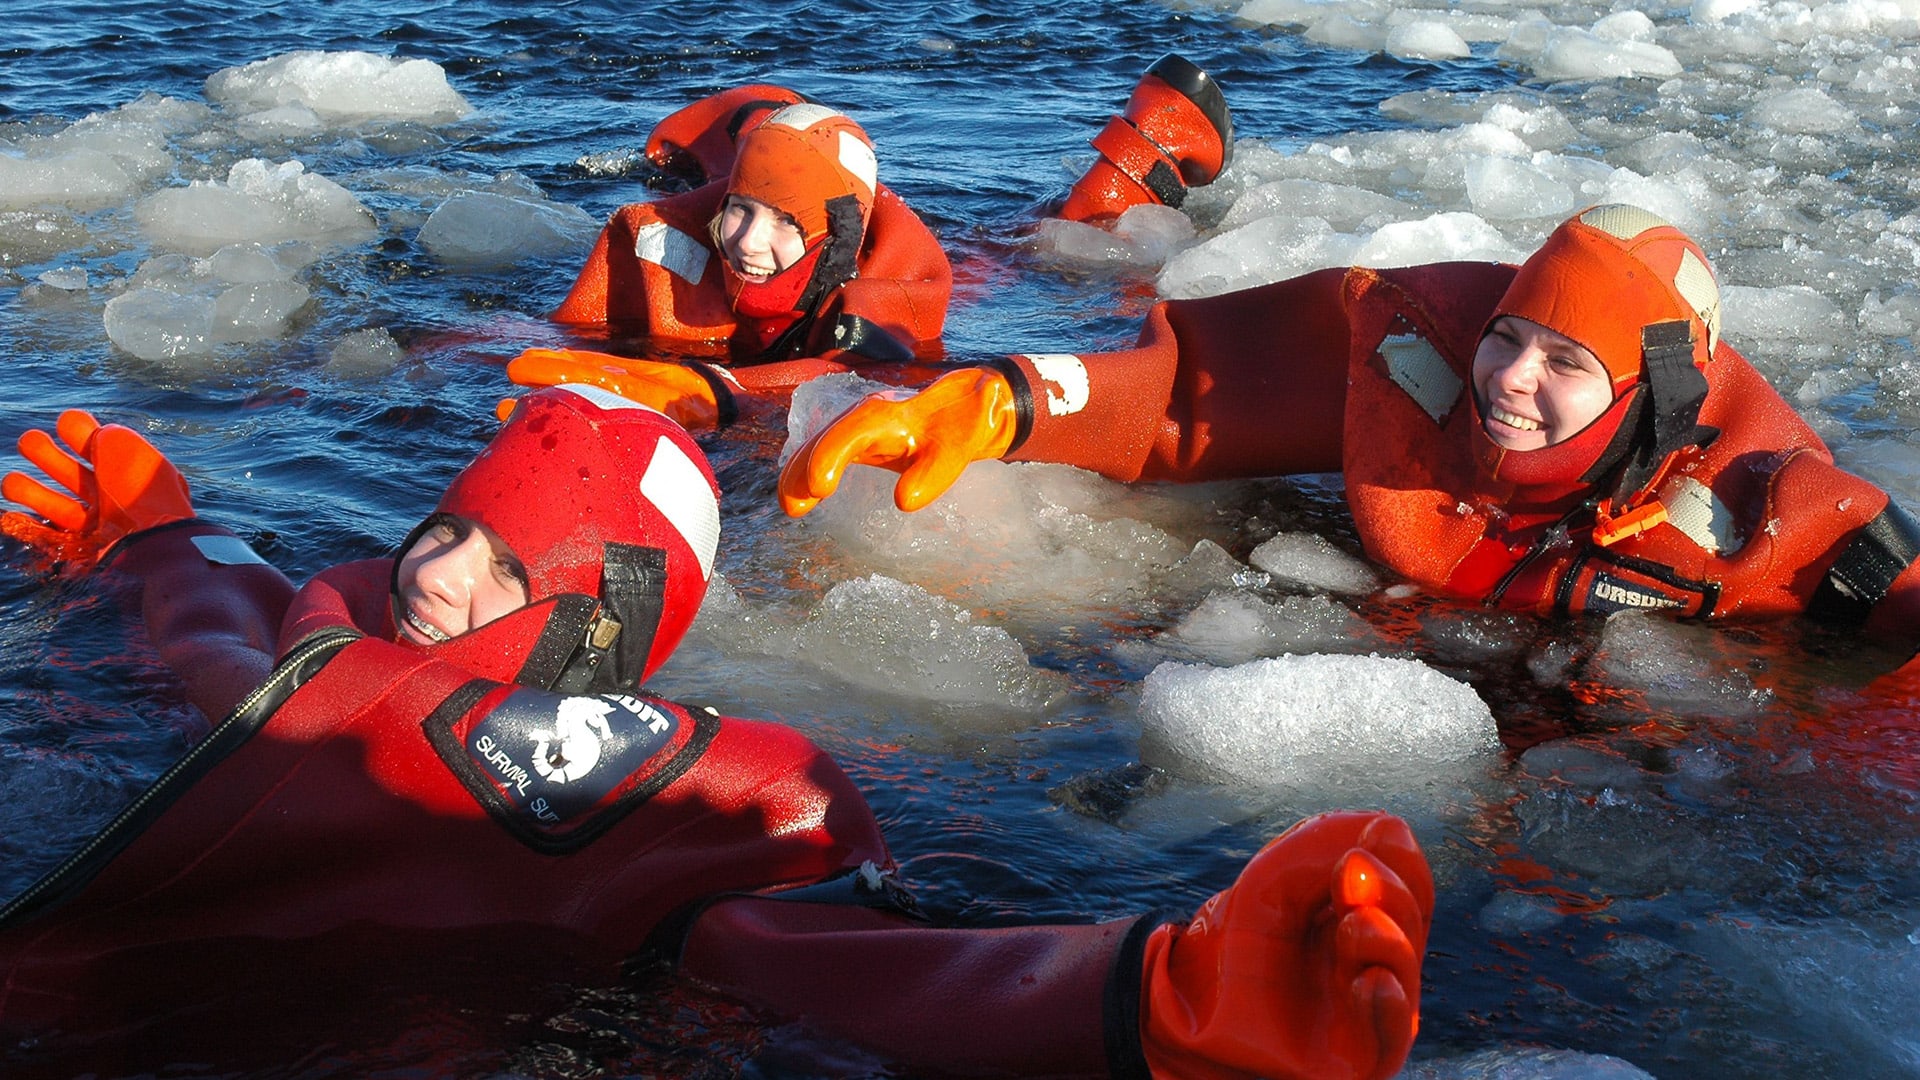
(1308,967)
(929,438)
(118,484)
(675,389)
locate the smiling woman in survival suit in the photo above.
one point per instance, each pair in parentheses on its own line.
(1571,434)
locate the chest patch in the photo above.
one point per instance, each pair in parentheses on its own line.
(665,246)
(1693,508)
(559,769)
(1419,369)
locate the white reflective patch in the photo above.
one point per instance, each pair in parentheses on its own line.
(604,398)
(1695,284)
(803,115)
(1622,221)
(1419,369)
(1066,379)
(665,246)
(675,486)
(1693,508)
(857,158)
(227,551)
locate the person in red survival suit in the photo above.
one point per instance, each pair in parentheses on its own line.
(798,302)
(452,744)
(1568,435)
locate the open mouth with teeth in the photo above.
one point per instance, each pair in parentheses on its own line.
(1512,420)
(421,627)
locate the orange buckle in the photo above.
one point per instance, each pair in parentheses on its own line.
(1609,530)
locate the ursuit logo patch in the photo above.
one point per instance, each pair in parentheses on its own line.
(1065,381)
(1609,594)
(555,757)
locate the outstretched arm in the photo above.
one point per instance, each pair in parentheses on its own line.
(210,605)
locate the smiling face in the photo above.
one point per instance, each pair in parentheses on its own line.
(458,576)
(1537,387)
(757,240)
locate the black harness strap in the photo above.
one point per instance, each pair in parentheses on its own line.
(1678,388)
(1861,576)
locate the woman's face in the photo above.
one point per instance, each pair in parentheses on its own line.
(757,240)
(458,576)
(1537,387)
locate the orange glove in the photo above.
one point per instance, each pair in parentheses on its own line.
(119,485)
(683,393)
(929,438)
(1309,966)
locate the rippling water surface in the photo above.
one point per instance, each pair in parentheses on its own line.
(1687,854)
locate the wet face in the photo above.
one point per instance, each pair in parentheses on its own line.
(757,240)
(459,575)
(1537,387)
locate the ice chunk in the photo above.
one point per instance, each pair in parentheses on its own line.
(1806,110)
(1295,719)
(1050,532)
(155,324)
(1794,312)
(1439,238)
(1426,41)
(1677,666)
(66,278)
(1232,627)
(1312,562)
(480,229)
(897,638)
(364,354)
(83,179)
(175,306)
(30,236)
(1524,1063)
(1572,53)
(1504,189)
(259,202)
(340,86)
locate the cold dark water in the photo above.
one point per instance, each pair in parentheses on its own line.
(1679,857)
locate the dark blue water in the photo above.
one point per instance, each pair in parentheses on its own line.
(980,111)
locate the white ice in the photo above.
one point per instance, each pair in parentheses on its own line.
(1317,720)
(260,202)
(176,307)
(483,229)
(340,86)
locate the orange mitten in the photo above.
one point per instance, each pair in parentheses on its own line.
(928,437)
(682,392)
(116,484)
(1307,967)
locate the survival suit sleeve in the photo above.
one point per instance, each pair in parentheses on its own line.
(1030,1000)
(586,302)
(1249,383)
(899,300)
(211,606)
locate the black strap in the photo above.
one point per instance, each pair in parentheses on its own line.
(722,392)
(1120,1006)
(633,584)
(1865,571)
(1677,388)
(1022,397)
(869,339)
(1166,185)
(301,663)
